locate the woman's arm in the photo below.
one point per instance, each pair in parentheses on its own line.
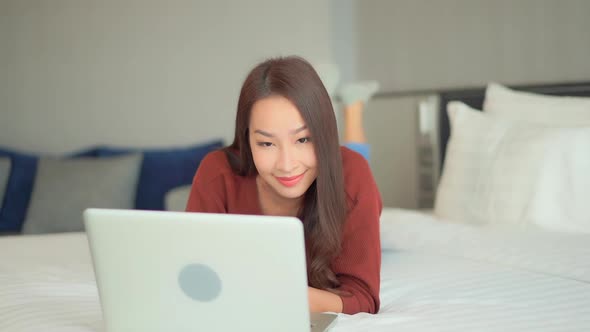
(358,266)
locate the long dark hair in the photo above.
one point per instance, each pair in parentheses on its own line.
(324,206)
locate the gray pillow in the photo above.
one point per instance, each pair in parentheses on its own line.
(65,187)
(177,198)
(4,174)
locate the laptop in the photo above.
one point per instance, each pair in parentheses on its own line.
(179,271)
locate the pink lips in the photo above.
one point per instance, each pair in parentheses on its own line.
(290,181)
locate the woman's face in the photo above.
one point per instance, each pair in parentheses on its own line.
(282,148)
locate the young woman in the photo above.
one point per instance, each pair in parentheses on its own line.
(286,160)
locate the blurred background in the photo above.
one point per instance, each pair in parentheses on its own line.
(77,73)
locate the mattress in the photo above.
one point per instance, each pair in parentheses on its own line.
(436,276)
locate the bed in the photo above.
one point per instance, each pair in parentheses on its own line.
(435,277)
(437,274)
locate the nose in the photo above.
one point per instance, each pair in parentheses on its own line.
(287,160)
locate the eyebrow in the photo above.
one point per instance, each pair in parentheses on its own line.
(292,132)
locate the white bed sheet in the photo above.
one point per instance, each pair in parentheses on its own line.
(436,276)
(441,276)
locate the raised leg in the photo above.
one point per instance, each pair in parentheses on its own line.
(354,97)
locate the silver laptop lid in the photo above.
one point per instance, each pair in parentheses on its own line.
(175,271)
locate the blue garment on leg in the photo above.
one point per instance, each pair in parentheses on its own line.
(363,148)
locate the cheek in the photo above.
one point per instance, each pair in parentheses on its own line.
(262,161)
(310,158)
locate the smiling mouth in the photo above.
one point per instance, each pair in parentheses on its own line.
(290,181)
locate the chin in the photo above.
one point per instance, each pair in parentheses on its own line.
(291,193)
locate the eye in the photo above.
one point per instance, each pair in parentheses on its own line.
(304,140)
(264,144)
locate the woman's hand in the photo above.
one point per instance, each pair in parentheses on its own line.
(323,301)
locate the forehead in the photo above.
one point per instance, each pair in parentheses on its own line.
(275,113)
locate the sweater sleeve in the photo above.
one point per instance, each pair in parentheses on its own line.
(208,192)
(358,267)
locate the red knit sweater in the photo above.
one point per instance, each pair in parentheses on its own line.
(217,189)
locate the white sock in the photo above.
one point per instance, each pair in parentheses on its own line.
(358,91)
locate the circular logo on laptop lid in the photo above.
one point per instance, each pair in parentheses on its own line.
(199,282)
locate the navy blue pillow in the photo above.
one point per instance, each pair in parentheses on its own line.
(90,152)
(19,188)
(163,170)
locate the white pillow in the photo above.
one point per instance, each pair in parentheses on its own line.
(536,108)
(500,173)
(561,198)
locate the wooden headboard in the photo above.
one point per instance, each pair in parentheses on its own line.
(475,98)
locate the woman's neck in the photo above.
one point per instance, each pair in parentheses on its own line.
(273,204)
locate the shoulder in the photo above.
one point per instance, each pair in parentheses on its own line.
(214,166)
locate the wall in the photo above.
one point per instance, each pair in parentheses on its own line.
(156,73)
(139,73)
(344,37)
(410,45)
(419,44)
